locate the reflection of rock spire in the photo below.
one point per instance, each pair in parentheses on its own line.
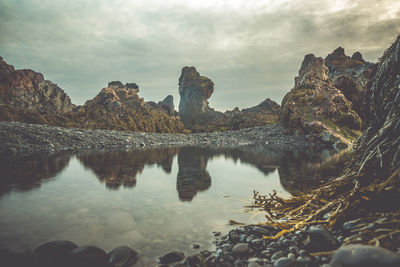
(118,169)
(192,175)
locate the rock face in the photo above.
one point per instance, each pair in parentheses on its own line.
(350,75)
(194,91)
(28,90)
(198,116)
(316,107)
(119,107)
(168,105)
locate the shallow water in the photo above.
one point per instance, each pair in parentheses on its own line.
(152,200)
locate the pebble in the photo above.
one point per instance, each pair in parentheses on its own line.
(240,249)
(321,240)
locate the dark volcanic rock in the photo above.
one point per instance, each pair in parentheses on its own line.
(172,257)
(321,240)
(240,249)
(194,91)
(88,256)
(364,256)
(55,253)
(122,256)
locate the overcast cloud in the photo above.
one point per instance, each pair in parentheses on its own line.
(251,49)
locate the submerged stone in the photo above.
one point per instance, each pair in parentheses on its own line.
(122,256)
(88,256)
(54,253)
(172,257)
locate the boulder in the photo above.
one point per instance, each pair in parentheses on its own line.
(364,256)
(172,257)
(88,256)
(54,253)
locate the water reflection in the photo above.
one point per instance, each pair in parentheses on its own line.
(24,174)
(298,170)
(117,169)
(192,175)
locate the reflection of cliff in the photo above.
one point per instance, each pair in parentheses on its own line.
(300,172)
(192,175)
(24,174)
(121,168)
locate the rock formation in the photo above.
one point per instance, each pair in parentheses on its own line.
(28,90)
(119,107)
(350,75)
(26,96)
(194,91)
(198,116)
(314,106)
(168,105)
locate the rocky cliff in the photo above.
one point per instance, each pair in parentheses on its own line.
(28,90)
(317,108)
(119,107)
(198,116)
(26,96)
(350,75)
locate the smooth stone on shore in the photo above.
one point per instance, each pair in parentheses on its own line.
(321,240)
(54,252)
(172,257)
(88,256)
(240,249)
(258,230)
(364,256)
(122,256)
(121,222)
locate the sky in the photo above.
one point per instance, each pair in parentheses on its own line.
(250,49)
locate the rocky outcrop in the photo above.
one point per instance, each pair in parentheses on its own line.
(119,107)
(350,75)
(28,90)
(198,116)
(194,91)
(315,107)
(168,105)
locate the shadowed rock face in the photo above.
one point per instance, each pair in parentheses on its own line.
(316,107)
(28,90)
(350,75)
(194,91)
(168,105)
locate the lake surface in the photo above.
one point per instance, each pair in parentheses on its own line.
(153,200)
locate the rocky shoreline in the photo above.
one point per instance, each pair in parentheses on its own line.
(21,138)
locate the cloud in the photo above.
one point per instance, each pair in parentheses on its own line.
(250,49)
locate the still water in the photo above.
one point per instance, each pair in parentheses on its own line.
(153,200)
